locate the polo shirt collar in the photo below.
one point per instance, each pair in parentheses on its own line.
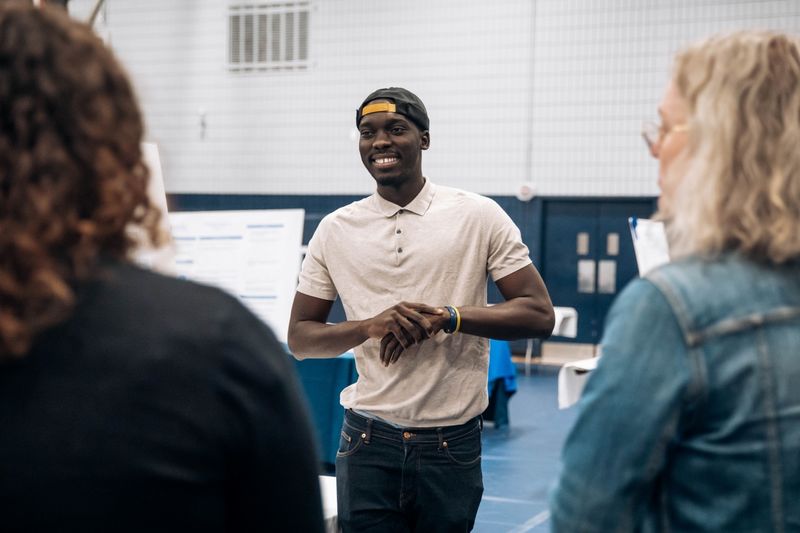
(419,205)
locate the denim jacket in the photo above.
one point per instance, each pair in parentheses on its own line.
(691,421)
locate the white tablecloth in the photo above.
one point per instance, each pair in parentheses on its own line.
(327,485)
(571,380)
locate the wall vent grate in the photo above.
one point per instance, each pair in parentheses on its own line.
(268,37)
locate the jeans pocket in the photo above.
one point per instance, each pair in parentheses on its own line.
(465,451)
(349,442)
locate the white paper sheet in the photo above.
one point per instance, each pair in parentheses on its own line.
(649,243)
(254,255)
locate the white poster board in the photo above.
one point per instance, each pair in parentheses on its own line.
(161,258)
(254,255)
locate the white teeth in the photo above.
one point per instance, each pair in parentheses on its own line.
(385,160)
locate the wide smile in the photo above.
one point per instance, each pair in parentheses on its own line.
(385,161)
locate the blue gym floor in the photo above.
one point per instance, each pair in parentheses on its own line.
(520,460)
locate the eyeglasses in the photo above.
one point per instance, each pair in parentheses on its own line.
(654,132)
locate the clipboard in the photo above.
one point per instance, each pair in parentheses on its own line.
(649,243)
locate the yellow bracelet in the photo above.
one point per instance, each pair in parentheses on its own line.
(458,320)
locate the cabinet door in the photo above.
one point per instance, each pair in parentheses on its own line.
(588,256)
(616,259)
(570,259)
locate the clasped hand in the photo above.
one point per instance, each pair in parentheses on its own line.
(404,325)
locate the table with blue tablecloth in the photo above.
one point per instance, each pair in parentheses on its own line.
(502,382)
(324,379)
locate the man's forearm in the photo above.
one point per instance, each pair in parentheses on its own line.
(310,339)
(518,318)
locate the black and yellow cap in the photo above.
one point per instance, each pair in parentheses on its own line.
(400,101)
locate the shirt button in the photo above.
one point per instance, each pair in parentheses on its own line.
(399,231)
(399,250)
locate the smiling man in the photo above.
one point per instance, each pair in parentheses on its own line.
(410,264)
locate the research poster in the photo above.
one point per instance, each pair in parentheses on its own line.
(254,255)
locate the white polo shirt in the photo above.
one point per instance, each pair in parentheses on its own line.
(437,250)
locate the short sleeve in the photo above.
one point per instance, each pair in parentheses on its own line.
(315,279)
(507,252)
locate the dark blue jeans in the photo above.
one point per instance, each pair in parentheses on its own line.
(400,480)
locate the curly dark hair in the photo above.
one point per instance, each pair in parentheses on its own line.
(72,178)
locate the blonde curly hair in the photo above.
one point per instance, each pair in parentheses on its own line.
(741,192)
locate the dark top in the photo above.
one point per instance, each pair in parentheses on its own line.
(160,405)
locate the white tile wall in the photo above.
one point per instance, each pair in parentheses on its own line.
(600,67)
(551,91)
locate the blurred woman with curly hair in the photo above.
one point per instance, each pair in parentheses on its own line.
(691,421)
(129,401)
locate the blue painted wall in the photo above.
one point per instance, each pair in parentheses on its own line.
(527,215)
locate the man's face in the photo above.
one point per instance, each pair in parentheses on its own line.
(391,148)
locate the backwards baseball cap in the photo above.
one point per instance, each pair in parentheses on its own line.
(400,101)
